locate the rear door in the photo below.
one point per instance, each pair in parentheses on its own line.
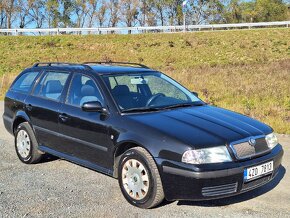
(85,134)
(16,95)
(43,106)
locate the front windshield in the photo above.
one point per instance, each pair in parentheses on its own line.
(148,91)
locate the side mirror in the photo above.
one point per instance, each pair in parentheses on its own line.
(93,106)
(195,93)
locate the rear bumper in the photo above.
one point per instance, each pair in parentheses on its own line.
(190,182)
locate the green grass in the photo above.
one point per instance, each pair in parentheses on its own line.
(245,71)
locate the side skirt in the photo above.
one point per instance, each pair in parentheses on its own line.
(76,160)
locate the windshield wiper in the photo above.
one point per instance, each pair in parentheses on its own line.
(198,103)
(140,109)
(147,109)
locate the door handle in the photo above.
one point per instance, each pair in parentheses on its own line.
(29,107)
(63,117)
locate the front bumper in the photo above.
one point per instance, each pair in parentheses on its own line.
(191,182)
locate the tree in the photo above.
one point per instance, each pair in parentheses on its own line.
(2,15)
(37,12)
(113,8)
(215,12)
(9,8)
(249,13)
(147,14)
(271,10)
(205,11)
(101,13)
(23,12)
(160,7)
(53,14)
(129,12)
(92,6)
(90,13)
(256,10)
(234,12)
(288,6)
(81,10)
(65,15)
(174,12)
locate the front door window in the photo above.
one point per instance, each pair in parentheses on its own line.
(83,89)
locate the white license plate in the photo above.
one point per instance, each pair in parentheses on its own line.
(258,171)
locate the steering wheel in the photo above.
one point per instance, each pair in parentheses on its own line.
(153,98)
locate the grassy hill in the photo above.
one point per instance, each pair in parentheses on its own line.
(245,71)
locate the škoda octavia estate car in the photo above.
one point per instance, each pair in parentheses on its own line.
(140,126)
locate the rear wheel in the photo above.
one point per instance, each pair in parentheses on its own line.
(139,179)
(26,145)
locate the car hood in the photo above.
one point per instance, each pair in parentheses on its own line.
(201,126)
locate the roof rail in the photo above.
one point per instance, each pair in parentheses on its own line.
(48,64)
(117,63)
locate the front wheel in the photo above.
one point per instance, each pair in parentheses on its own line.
(26,145)
(139,179)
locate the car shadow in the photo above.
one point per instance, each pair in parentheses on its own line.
(238,198)
(48,158)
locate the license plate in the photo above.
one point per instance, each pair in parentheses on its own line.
(258,171)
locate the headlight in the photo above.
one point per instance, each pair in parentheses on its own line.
(207,155)
(272,140)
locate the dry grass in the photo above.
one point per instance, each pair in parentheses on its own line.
(245,71)
(261,91)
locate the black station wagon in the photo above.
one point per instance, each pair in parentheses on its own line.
(140,126)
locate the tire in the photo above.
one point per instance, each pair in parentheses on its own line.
(26,145)
(136,166)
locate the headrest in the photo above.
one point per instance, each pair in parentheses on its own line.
(90,83)
(88,90)
(53,86)
(121,90)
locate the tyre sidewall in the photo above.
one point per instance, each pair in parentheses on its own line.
(147,201)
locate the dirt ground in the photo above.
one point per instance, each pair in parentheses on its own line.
(57,188)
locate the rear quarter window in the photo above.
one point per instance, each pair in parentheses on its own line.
(25,82)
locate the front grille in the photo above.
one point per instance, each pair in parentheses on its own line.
(256,183)
(243,150)
(219,190)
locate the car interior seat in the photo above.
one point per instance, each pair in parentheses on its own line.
(88,94)
(53,89)
(123,96)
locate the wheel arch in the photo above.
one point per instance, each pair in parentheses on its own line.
(20,117)
(121,148)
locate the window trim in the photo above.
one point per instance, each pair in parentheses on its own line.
(69,89)
(44,75)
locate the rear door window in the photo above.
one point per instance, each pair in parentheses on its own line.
(51,85)
(25,82)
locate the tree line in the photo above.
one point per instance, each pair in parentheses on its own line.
(113,13)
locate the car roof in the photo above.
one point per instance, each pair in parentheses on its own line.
(97,67)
